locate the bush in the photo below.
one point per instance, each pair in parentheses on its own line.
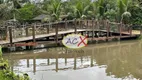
(6,74)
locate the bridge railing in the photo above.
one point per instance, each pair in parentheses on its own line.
(25,30)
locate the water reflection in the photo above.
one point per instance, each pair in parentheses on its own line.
(120,60)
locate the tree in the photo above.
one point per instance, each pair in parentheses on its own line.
(28,11)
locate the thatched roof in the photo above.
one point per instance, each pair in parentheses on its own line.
(40,17)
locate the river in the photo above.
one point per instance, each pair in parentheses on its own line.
(104,61)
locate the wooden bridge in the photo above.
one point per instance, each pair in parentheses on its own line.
(32,33)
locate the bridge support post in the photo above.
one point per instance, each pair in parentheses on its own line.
(28,63)
(108,30)
(75,54)
(66,56)
(120,26)
(10,36)
(66,24)
(130,30)
(98,29)
(33,32)
(86,34)
(27,32)
(56,62)
(56,36)
(75,30)
(48,25)
(34,64)
(92,57)
(93,29)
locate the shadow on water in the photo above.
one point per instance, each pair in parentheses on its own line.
(121,60)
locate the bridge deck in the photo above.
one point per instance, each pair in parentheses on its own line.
(46,35)
(39,36)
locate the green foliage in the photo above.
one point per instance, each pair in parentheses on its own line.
(140,37)
(0,51)
(6,74)
(136,12)
(56,7)
(28,11)
(114,10)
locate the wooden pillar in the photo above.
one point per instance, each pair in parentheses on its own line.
(92,58)
(6,33)
(130,30)
(86,29)
(81,59)
(33,32)
(10,36)
(108,30)
(28,63)
(66,24)
(66,57)
(48,61)
(120,30)
(75,61)
(56,62)
(34,64)
(75,26)
(27,32)
(93,29)
(98,29)
(48,25)
(56,36)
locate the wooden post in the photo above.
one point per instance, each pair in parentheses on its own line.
(66,24)
(120,30)
(56,36)
(56,62)
(66,57)
(47,27)
(107,25)
(27,32)
(93,29)
(10,36)
(33,32)
(28,63)
(75,27)
(92,58)
(86,34)
(130,30)
(81,59)
(34,64)
(6,33)
(48,61)
(98,29)
(75,61)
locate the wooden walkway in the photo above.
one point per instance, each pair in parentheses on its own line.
(24,39)
(39,36)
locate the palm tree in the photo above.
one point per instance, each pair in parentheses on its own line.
(80,9)
(123,9)
(52,8)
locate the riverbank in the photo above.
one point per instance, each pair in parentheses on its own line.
(7,74)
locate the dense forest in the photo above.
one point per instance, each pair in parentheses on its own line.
(127,11)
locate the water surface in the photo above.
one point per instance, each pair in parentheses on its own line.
(105,61)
